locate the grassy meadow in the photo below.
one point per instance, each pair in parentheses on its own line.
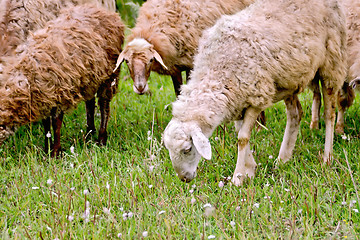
(129,190)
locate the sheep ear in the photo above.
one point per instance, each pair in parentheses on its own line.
(159,59)
(201,143)
(119,60)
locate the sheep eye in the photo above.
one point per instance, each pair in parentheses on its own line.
(151,60)
(187,150)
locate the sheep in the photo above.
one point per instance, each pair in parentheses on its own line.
(68,61)
(19,18)
(346,94)
(166,37)
(247,62)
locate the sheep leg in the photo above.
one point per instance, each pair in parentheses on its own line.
(105,94)
(316,105)
(47,129)
(345,99)
(245,165)
(177,81)
(56,124)
(329,96)
(90,113)
(293,114)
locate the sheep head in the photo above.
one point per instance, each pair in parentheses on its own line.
(186,144)
(141,58)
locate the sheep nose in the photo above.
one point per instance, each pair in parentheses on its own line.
(187,177)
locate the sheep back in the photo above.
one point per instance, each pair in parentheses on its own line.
(62,64)
(277,47)
(174,27)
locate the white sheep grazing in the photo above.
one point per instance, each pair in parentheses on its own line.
(247,62)
(346,94)
(166,37)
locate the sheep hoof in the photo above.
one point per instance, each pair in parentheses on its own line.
(314,125)
(339,129)
(237,180)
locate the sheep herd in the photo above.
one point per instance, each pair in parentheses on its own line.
(240,57)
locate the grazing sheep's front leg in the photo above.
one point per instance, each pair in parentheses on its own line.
(245,165)
(177,81)
(329,96)
(293,113)
(316,104)
(56,124)
(90,113)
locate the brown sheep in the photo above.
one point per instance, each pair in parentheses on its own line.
(20,17)
(68,61)
(166,37)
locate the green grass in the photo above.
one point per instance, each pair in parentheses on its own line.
(43,198)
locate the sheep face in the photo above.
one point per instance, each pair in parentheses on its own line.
(141,57)
(186,144)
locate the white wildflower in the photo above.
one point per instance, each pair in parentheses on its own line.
(150,186)
(48,228)
(193,186)
(343,203)
(49,181)
(352,202)
(145,234)
(193,200)
(256,205)
(237,208)
(130,214)
(125,216)
(243,200)
(286,189)
(86,192)
(211,237)
(106,210)
(151,168)
(232,223)
(48,135)
(72,189)
(72,149)
(221,184)
(207,205)
(70,218)
(216,139)
(344,137)
(355,210)
(34,188)
(162,212)
(299,211)
(267,197)
(55,194)
(107,186)
(271,157)
(267,184)
(191,191)
(119,235)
